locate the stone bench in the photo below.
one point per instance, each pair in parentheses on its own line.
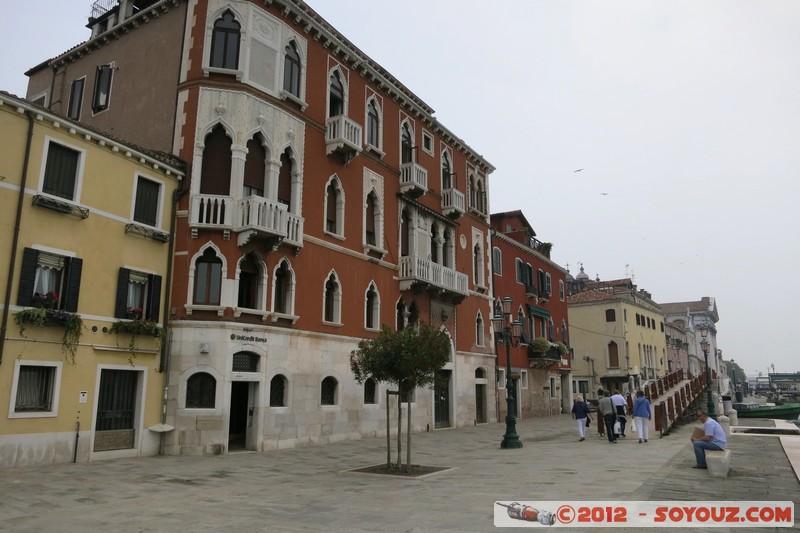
(718,462)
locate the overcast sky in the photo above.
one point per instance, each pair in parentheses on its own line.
(683,115)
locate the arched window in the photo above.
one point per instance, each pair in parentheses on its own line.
(285,179)
(407,144)
(249,283)
(336,95)
(215,176)
(284,289)
(405,233)
(277,391)
(400,317)
(372,310)
(369,391)
(497,261)
(477,265)
(334,207)
(371,223)
(329,391)
(479,334)
(201,390)
(255,168)
(449,251)
(373,124)
(613,355)
(564,333)
(447,173)
(480,197)
(291,69)
(435,244)
(225,42)
(480,373)
(332,300)
(473,193)
(207,279)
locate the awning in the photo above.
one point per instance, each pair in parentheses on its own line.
(538,311)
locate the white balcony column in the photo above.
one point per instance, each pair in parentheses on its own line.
(271,186)
(438,242)
(238,158)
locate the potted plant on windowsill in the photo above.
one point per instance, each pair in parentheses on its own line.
(135,328)
(42,316)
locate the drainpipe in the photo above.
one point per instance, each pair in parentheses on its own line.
(15,239)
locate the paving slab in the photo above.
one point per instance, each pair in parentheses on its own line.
(310,488)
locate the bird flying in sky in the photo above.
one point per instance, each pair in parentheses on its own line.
(574,171)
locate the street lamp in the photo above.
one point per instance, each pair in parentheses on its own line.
(591,362)
(704,346)
(733,369)
(510,332)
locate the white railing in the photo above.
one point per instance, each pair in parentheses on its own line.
(413,176)
(294,232)
(417,269)
(211,211)
(256,212)
(452,201)
(343,133)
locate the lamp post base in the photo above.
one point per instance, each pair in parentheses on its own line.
(511,439)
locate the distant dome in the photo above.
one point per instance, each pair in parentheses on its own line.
(583,275)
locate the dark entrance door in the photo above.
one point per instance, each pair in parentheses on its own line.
(116,405)
(237,430)
(480,403)
(442,400)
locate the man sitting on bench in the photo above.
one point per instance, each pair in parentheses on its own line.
(713,439)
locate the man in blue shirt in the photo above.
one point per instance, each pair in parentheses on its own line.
(713,439)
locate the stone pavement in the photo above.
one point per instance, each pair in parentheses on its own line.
(307,489)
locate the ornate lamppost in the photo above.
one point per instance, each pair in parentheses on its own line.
(509,333)
(705,346)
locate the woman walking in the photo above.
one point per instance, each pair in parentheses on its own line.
(580,410)
(641,415)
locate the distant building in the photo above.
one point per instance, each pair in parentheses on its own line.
(522,270)
(617,334)
(86,253)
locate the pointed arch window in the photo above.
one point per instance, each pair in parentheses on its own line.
(479,333)
(284,289)
(255,167)
(405,234)
(291,69)
(335,95)
(208,279)
(435,244)
(334,207)
(249,283)
(447,173)
(215,176)
(371,222)
(225,42)
(406,144)
(400,315)
(333,300)
(372,308)
(373,124)
(285,179)
(477,265)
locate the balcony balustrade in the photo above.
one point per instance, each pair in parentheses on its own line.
(453,203)
(413,179)
(416,270)
(343,135)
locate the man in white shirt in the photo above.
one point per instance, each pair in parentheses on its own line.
(619,408)
(713,439)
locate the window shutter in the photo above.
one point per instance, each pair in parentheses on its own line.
(27,276)
(73,284)
(121,302)
(154,298)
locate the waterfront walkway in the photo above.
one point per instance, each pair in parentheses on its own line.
(308,489)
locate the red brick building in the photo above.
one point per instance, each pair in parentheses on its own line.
(523,271)
(324,200)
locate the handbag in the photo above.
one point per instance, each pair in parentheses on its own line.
(617,427)
(588,421)
(633,426)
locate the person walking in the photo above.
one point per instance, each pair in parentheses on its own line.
(580,411)
(641,415)
(606,409)
(713,439)
(620,406)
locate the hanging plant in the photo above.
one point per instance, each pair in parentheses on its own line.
(538,347)
(136,328)
(41,316)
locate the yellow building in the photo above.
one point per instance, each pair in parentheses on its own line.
(618,336)
(85,237)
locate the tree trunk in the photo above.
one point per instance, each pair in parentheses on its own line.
(399,429)
(408,436)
